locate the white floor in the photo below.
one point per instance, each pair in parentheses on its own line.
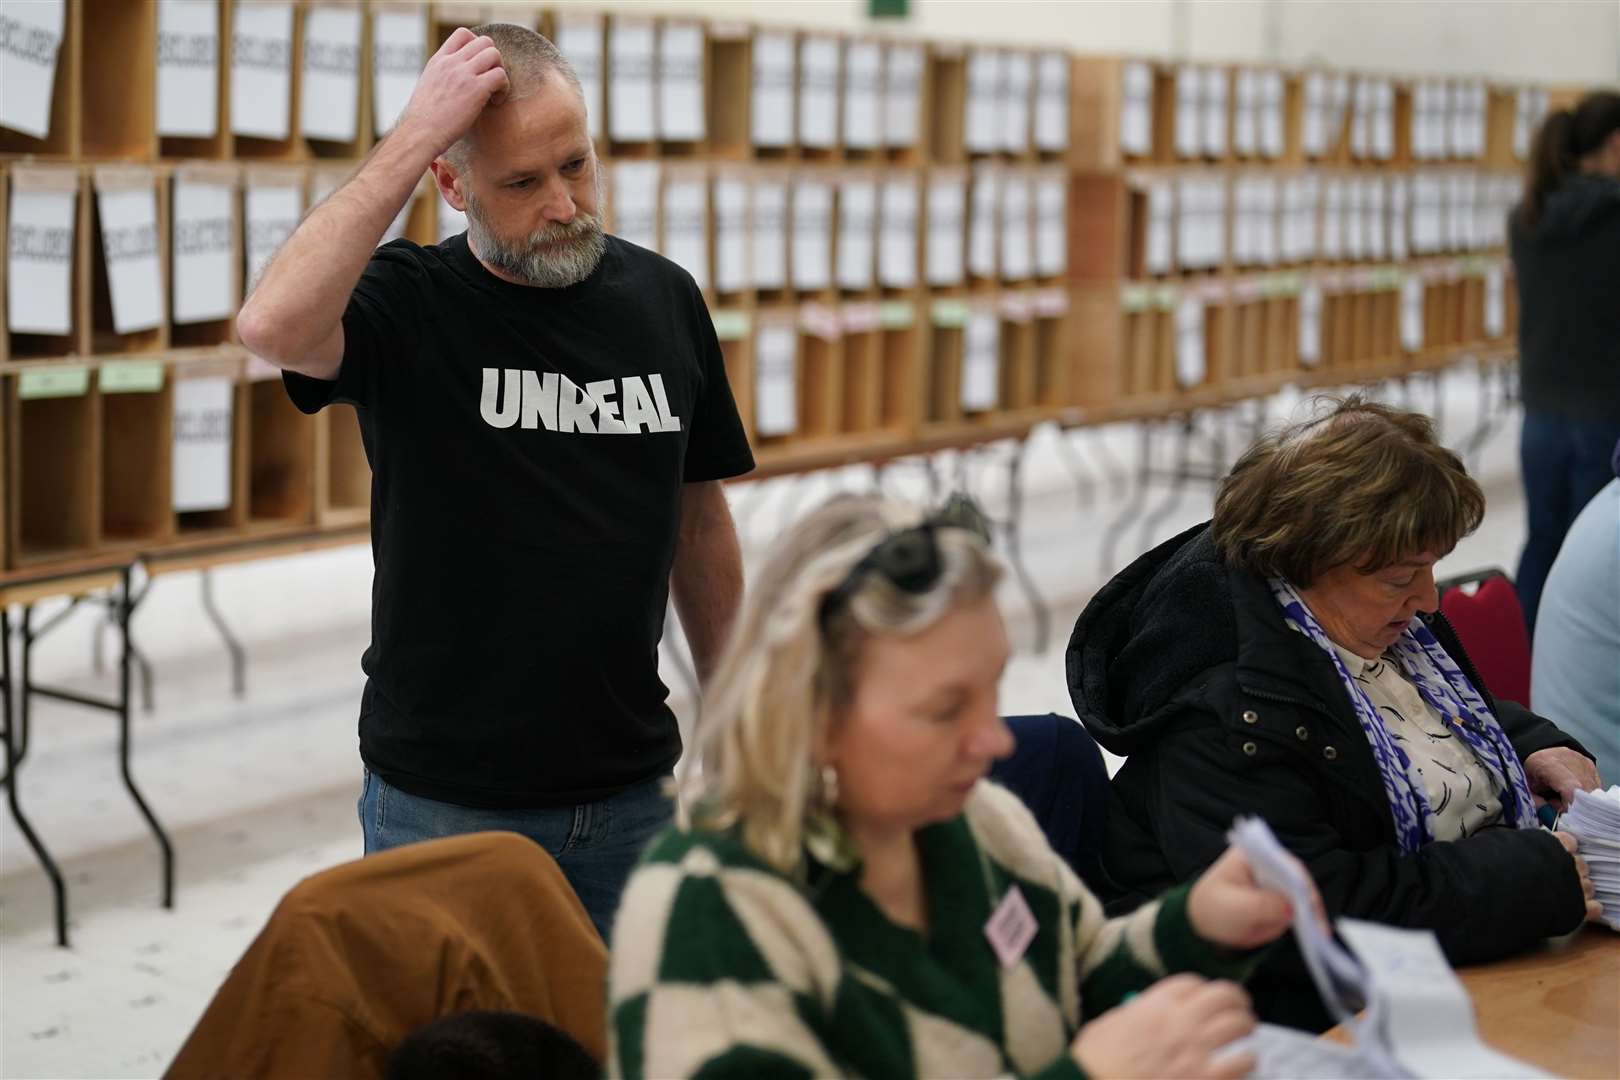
(260,792)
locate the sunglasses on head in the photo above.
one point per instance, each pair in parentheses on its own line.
(910,559)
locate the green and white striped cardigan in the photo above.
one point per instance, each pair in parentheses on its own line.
(723,967)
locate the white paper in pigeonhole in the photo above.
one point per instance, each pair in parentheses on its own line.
(981,360)
(731,272)
(261,69)
(1317,106)
(203,219)
(630,79)
(1017,85)
(1017,225)
(1459,210)
(1495,302)
(1428,120)
(985,100)
(1052,103)
(1361,118)
(1242,217)
(1399,212)
(902,89)
(1191,365)
(1271,114)
(818,91)
(863,87)
(768,229)
(1531,107)
(1332,218)
(947,211)
(686,224)
(984,219)
(1411,313)
(579,38)
(39,265)
(680,81)
(187,68)
(776,409)
(1051,223)
(1267,250)
(1418,120)
(1351,232)
(1310,324)
(202,444)
(330,94)
(812,233)
(398,52)
(1428,208)
(897,253)
(1375,220)
(1189,111)
(1215,99)
(857,232)
(28,73)
(129,246)
(1136,109)
(1384,130)
(1245,113)
(774,80)
(635,202)
(1159,244)
(1457,120)
(272,213)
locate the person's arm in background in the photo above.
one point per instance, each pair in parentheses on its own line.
(293,318)
(707,578)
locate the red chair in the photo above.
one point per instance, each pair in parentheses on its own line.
(1490,623)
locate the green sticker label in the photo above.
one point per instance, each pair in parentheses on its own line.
(897,315)
(1134,298)
(1166,297)
(131,377)
(950,313)
(731,325)
(53,382)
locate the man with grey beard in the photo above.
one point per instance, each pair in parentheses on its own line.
(546,413)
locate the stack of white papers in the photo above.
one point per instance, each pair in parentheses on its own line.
(1594,820)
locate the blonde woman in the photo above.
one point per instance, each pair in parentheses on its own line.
(845,894)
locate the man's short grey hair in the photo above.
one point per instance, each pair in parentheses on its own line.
(530,59)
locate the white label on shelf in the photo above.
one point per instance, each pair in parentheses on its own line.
(812,234)
(857,233)
(897,256)
(1017,82)
(1310,324)
(771,123)
(1136,109)
(580,39)
(686,226)
(188,68)
(635,202)
(1189,111)
(1051,224)
(902,89)
(769,223)
(680,81)
(947,209)
(450,221)
(985,100)
(202,444)
(261,70)
(1159,244)
(203,223)
(731,272)
(39,253)
(1191,365)
(272,215)
(863,81)
(1215,134)
(330,96)
(631,60)
(1245,114)
(1052,104)
(981,360)
(33,32)
(1411,314)
(776,409)
(1271,114)
(129,244)
(1017,226)
(818,92)
(1495,302)
(984,219)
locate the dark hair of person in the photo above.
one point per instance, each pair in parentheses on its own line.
(490,1046)
(1566,136)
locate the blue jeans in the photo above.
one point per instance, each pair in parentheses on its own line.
(596,844)
(1563,462)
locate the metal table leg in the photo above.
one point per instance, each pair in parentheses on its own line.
(232,645)
(126,659)
(13,762)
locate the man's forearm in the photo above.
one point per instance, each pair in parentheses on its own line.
(707,580)
(299,301)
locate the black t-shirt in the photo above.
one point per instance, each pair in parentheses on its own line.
(527,448)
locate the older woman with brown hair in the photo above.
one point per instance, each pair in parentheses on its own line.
(1287,660)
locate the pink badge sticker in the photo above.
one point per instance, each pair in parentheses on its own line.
(1011,927)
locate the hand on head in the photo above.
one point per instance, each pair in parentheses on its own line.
(455,85)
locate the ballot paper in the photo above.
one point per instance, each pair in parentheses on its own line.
(897,251)
(1191,363)
(129,245)
(202,223)
(947,209)
(986,100)
(981,361)
(635,202)
(1412,325)
(1594,820)
(818,91)
(812,233)
(39,269)
(686,224)
(731,271)
(983,217)
(776,410)
(1017,81)
(857,232)
(201,464)
(1310,324)
(1496,316)
(1189,99)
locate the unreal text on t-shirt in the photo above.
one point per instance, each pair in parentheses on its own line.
(632,405)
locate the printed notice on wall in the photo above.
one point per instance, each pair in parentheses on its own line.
(202,252)
(32,35)
(39,265)
(129,243)
(202,444)
(329,99)
(398,44)
(187,68)
(261,69)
